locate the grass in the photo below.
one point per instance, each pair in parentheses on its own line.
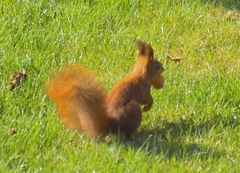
(197,111)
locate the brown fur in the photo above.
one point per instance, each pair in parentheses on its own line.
(82,104)
(80,100)
(124,101)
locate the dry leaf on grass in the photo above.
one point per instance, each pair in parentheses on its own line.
(17,79)
(174,58)
(12,131)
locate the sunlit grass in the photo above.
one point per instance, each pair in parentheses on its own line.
(194,123)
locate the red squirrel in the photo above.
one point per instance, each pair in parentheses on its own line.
(83,105)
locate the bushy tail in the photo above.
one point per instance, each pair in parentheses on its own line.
(80,100)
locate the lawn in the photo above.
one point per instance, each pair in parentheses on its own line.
(194,125)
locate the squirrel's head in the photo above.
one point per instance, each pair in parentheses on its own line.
(147,66)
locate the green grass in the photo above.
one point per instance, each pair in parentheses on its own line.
(198,110)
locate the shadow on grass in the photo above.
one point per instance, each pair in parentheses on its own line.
(170,141)
(229,4)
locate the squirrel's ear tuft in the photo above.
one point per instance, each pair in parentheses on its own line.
(140,47)
(144,49)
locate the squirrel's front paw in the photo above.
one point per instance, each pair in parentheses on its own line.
(146,108)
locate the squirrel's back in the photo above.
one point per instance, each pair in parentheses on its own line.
(80,100)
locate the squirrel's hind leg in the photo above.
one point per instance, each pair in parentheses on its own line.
(128,119)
